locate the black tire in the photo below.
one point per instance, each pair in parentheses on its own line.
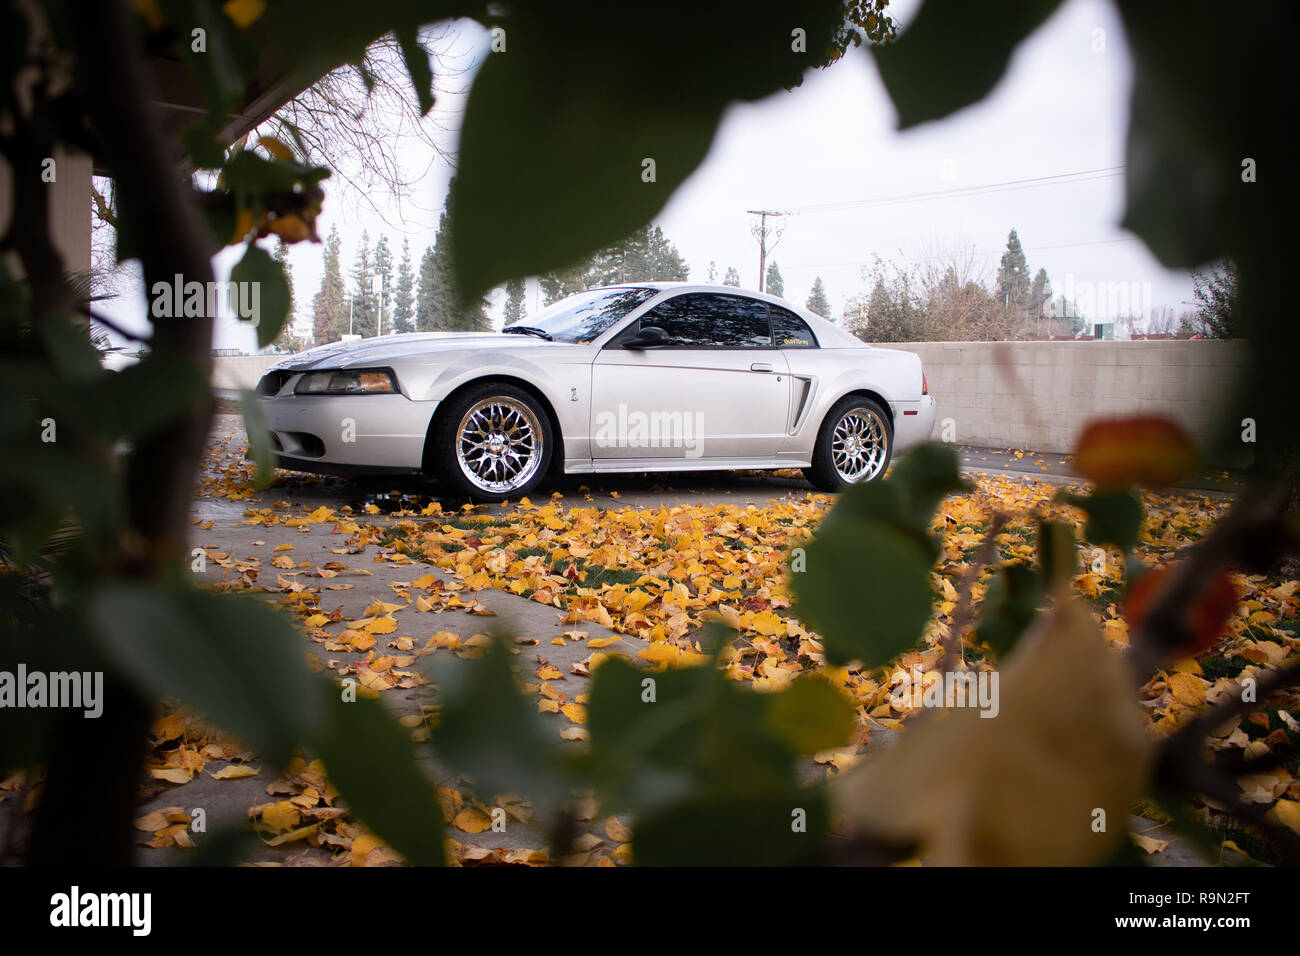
(824,473)
(451,454)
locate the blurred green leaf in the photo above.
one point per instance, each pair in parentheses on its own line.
(46,483)
(249,175)
(660,737)
(489,731)
(267,282)
(42,639)
(953,54)
(768,829)
(231,658)
(1056,553)
(221,59)
(1203,101)
(924,476)
(75,359)
(343,36)
(372,761)
(258,430)
(1009,606)
(864,586)
(810,715)
(561,140)
(645,732)
(865,589)
(1114,517)
(531,153)
(417,65)
(141,398)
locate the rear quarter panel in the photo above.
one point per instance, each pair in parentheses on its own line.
(836,372)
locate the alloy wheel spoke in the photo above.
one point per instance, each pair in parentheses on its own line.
(499,448)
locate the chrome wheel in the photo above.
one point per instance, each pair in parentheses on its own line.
(499,445)
(859,445)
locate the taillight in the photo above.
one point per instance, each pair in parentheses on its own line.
(925,386)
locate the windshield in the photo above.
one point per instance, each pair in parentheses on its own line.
(587,315)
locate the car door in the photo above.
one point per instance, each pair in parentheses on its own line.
(717,389)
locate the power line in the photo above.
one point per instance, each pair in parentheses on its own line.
(995,252)
(1011,185)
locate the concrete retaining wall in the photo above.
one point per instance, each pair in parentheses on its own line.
(240,371)
(1039,395)
(1031,395)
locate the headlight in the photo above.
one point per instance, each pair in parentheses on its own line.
(360,382)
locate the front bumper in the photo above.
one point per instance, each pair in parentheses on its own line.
(348,433)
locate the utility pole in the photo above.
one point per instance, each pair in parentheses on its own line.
(760,232)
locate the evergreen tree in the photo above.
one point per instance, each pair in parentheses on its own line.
(280,253)
(363,296)
(880,309)
(894,312)
(329,306)
(514,301)
(646,255)
(1040,295)
(775,284)
(404,294)
(712,274)
(559,283)
(817,301)
(426,303)
(383,269)
(732,277)
(627,260)
(1013,276)
(289,338)
(447,312)
(667,263)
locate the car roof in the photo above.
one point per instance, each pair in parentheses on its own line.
(829,335)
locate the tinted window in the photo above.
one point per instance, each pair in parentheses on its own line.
(712,321)
(583,317)
(789,331)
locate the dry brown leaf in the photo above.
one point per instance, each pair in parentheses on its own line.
(1020,788)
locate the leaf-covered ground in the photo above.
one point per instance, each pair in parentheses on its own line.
(657,574)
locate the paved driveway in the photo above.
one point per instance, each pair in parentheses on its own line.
(229,534)
(646,490)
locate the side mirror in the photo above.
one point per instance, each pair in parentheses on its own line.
(648,337)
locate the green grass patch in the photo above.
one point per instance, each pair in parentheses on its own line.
(1220,665)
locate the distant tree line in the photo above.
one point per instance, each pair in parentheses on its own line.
(645,256)
(381,296)
(774,284)
(945,298)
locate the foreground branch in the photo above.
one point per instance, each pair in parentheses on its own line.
(158,205)
(952,643)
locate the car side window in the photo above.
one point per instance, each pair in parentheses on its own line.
(706,321)
(789,331)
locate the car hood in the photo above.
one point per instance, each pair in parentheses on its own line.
(390,348)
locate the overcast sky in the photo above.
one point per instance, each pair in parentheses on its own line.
(1062,108)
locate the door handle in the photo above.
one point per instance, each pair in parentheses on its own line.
(761,367)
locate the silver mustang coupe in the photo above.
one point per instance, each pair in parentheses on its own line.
(653,376)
